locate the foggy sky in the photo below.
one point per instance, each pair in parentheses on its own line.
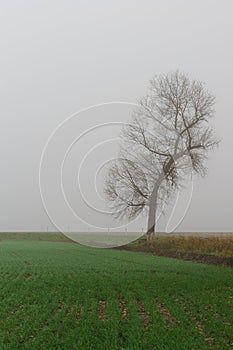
(58,57)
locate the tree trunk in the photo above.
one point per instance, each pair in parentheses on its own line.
(151,226)
(151,222)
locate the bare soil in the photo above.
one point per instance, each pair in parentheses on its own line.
(195,257)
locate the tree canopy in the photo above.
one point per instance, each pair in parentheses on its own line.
(168,136)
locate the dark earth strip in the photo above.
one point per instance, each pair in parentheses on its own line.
(195,257)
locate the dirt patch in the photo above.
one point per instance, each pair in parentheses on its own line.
(144,314)
(60,306)
(165,312)
(78,315)
(27,276)
(208,338)
(102,316)
(195,257)
(123,307)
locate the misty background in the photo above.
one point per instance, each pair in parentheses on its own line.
(60,57)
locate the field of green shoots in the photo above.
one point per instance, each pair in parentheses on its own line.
(60,295)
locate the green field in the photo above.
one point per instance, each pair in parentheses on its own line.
(60,295)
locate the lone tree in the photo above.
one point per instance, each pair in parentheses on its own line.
(169,136)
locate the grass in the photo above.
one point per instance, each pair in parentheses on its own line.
(65,296)
(221,245)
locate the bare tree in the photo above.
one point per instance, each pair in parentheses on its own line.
(168,137)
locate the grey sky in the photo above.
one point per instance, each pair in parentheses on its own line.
(58,57)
